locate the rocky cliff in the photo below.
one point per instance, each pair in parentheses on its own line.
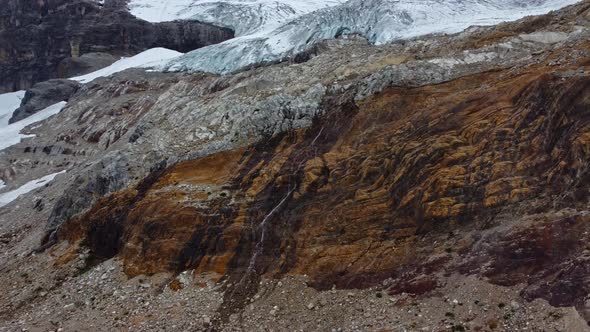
(440,183)
(37,36)
(361,195)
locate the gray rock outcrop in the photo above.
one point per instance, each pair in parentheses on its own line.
(42,95)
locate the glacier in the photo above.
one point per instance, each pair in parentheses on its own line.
(273,32)
(148,58)
(243,16)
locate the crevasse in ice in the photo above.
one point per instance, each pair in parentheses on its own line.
(271,31)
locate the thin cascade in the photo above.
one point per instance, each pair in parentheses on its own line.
(263,226)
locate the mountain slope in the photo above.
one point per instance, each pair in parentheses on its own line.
(439,183)
(375,178)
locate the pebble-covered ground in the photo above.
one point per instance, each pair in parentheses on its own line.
(103,299)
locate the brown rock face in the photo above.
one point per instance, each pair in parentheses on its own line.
(551,256)
(352,200)
(36,36)
(378,189)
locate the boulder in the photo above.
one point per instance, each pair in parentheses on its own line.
(42,95)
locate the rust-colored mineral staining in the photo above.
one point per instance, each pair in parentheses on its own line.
(364,194)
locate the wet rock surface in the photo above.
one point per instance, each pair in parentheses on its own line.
(442,163)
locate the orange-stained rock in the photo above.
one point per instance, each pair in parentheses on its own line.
(175,285)
(371,191)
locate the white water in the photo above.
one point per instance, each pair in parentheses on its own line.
(264,228)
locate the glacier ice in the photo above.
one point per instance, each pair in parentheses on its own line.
(380,21)
(243,16)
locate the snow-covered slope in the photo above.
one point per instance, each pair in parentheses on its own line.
(8,103)
(10,196)
(10,134)
(148,58)
(266,38)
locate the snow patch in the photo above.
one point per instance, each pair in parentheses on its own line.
(545,37)
(9,102)
(149,58)
(7,197)
(10,134)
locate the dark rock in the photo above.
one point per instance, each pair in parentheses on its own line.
(39,205)
(549,257)
(140,131)
(107,176)
(36,36)
(42,95)
(86,63)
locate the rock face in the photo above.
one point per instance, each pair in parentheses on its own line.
(42,95)
(35,36)
(397,186)
(84,64)
(431,176)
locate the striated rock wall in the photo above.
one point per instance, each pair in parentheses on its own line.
(447,176)
(386,188)
(35,36)
(399,165)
